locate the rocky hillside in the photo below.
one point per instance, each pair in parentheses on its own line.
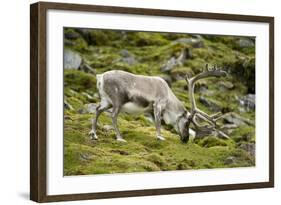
(171,56)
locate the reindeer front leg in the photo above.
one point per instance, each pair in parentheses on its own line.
(103,106)
(158,115)
(115,112)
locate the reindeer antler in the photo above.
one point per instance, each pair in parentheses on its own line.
(195,112)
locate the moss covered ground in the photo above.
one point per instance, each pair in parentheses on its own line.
(146,53)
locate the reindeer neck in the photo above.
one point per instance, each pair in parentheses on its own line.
(173,111)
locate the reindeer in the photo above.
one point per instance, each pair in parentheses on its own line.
(134,94)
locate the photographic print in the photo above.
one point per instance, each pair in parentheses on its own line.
(135,102)
(140,101)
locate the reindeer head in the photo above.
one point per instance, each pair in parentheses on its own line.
(195,113)
(182,124)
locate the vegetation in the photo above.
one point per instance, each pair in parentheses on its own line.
(148,54)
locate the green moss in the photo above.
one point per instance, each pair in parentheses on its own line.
(145,39)
(102,37)
(78,80)
(182,73)
(79,44)
(212,142)
(244,134)
(103,60)
(74,102)
(156,159)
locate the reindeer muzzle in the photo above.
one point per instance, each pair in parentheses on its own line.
(185,139)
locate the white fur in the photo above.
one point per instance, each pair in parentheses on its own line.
(100,83)
(133,108)
(192,133)
(170,118)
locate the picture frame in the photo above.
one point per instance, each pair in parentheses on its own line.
(40,90)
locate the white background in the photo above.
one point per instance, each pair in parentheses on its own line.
(14,104)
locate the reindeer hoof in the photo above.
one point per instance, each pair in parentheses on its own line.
(93,135)
(120,139)
(160,138)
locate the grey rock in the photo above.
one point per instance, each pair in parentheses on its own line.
(71,60)
(230,160)
(249,147)
(121,152)
(127,57)
(202,87)
(204,90)
(233,118)
(203,132)
(194,42)
(125,53)
(210,104)
(129,60)
(245,43)
(171,63)
(85,156)
(71,35)
(88,108)
(91,108)
(108,127)
(225,85)
(229,126)
(248,102)
(228,131)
